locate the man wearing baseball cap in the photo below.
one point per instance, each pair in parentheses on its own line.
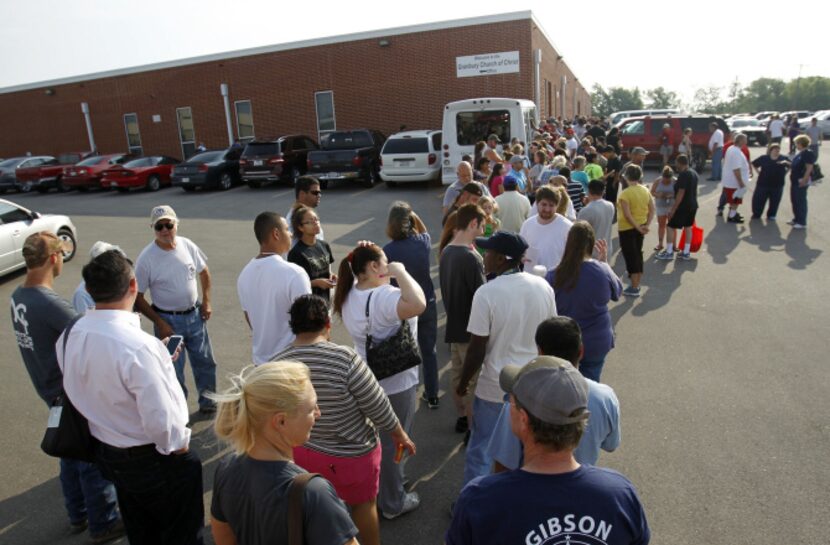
(81,299)
(503,320)
(168,268)
(490,152)
(552,498)
(637,156)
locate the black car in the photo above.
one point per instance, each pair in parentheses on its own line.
(281,159)
(348,155)
(214,168)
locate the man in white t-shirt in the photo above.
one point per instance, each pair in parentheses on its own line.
(571,144)
(776,129)
(503,320)
(735,177)
(546,233)
(268,286)
(716,150)
(168,268)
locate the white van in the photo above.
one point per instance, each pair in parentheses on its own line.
(411,156)
(618,117)
(469,121)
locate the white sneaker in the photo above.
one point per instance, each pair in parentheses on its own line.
(799,226)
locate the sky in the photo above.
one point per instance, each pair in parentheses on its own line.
(628,43)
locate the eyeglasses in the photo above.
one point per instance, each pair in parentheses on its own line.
(316,193)
(313,221)
(168,226)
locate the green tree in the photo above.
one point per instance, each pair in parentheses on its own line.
(600,105)
(811,93)
(661,98)
(707,100)
(764,94)
(620,99)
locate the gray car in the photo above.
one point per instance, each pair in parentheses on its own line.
(18,223)
(8,180)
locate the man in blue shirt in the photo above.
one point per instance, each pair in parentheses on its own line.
(552,498)
(560,337)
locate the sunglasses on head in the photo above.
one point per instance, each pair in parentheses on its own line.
(159,226)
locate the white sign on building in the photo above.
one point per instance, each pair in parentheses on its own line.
(487,64)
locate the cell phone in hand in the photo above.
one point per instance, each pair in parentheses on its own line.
(173,343)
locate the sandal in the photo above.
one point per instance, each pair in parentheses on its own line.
(658,248)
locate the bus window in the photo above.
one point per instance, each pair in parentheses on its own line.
(475,126)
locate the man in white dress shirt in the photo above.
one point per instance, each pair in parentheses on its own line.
(167,268)
(122,380)
(268,286)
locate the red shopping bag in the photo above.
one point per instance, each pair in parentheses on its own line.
(697,238)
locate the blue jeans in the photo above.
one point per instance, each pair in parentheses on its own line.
(478,462)
(197,344)
(161,497)
(798,197)
(717,158)
(761,195)
(427,333)
(592,369)
(87,495)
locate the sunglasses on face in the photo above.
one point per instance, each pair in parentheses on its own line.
(316,193)
(160,226)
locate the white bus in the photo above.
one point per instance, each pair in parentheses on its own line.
(469,121)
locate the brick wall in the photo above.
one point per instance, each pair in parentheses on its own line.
(406,83)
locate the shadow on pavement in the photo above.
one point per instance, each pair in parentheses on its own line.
(767,236)
(660,280)
(723,239)
(801,255)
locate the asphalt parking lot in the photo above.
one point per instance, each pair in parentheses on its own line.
(720,367)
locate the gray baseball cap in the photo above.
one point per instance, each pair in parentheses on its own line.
(551,389)
(640,150)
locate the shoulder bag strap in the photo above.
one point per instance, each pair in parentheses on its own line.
(368,323)
(295,507)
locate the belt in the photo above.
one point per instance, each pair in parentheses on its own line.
(175,312)
(140,450)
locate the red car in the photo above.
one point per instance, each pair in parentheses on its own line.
(46,175)
(87,173)
(148,172)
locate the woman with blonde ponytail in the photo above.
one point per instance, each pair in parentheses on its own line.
(269,410)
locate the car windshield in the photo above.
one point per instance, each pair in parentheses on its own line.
(89,161)
(207,157)
(254,149)
(69,158)
(9,163)
(635,127)
(406,145)
(745,123)
(347,140)
(143,162)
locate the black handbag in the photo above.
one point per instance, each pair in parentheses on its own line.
(393,355)
(67,432)
(816,175)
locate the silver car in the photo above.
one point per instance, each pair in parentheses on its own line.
(17,223)
(8,180)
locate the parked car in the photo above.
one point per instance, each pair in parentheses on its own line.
(349,155)
(74,157)
(801,114)
(8,171)
(148,172)
(46,174)
(17,223)
(411,156)
(282,159)
(214,168)
(764,117)
(87,173)
(754,130)
(645,132)
(822,120)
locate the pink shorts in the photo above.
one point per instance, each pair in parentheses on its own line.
(356,480)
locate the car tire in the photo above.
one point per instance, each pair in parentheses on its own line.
(83,188)
(69,241)
(254,185)
(60,187)
(372,178)
(26,187)
(123,189)
(225,182)
(153,183)
(188,188)
(42,189)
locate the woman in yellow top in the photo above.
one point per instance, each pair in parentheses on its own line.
(635,211)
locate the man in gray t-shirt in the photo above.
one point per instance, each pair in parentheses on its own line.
(599,213)
(39,316)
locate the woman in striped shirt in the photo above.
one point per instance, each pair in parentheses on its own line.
(344,445)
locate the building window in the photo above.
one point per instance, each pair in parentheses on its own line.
(187,135)
(133,136)
(324,103)
(244,120)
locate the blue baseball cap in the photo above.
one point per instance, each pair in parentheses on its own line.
(505,243)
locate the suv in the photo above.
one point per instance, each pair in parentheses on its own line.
(348,155)
(411,156)
(645,132)
(283,159)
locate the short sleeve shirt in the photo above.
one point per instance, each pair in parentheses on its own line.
(316,260)
(252,497)
(687,181)
(170,275)
(638,198)
(461,273)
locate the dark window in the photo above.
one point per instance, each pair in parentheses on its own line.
(324,104)
(310,144)
(11,214)
(143,162)
(347,140)
(475,126)
(88,162)
(207,157)
(635,127)
(406,145)
(254,149)
(244,120)
(699,124)
(657,125)
(436,141)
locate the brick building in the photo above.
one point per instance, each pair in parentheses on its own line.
(381,79)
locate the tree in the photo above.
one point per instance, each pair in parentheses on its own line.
(764,94)
(811,93)
(600,101)
(708,100)
(620,99)
(661,98)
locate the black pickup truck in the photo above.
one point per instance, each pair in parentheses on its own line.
(347,155)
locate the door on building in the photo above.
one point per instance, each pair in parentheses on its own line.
(187,135)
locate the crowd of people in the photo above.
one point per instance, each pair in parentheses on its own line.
(525,286)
